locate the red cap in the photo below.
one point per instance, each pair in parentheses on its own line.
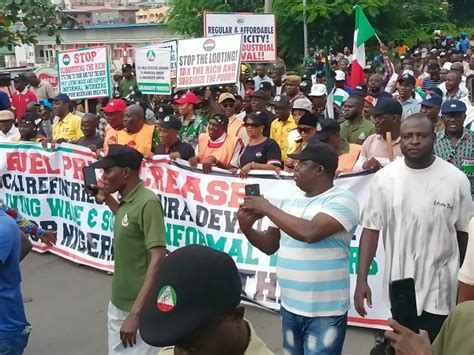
(249,92)
(188,98)
(115,105)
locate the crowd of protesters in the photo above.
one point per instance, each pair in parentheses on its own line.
(409,123)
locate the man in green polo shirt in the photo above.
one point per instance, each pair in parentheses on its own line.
(128,85)
(139,245)
(355,129)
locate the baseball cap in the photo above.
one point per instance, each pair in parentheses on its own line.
(62,97)
(6,115)
(453,106)
(226,96)
(45,103)
(280,101)
(188,98)
(318,90)
(340,75)
(293,79)
(115,105)
(261,94)
(187,296)
(171,122)
(388,106)
(432,100)
(164,110)
(447,66)
(30,117)
(119,155)
(20,77)
(303,104)
(265,85)
(305,84)
(370,100)
(249,92)
(326,128)
(259,117)
(407,78)
(436,90)
(309,119)
(360,90)
(320,153)
(221,119)
(126,67)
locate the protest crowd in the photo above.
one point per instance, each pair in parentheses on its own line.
(406,116)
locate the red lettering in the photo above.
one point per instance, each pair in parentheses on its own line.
(48,166)
(157,181)
(217,195)
(192,186)
(37,166)
(171,186)
(82,57)
(237,195)
(78,164)
(16,161)
(67,163)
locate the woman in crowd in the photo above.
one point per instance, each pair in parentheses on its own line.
(261,153)
(307,129)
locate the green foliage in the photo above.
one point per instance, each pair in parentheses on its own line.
(22,20)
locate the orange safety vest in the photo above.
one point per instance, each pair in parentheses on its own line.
(141,140)
(348,160)
(110,137)
(233,128)
(221,151)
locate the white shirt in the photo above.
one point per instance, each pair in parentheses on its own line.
(418,212)
(466,274)
(12,135)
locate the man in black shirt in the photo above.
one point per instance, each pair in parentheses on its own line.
(91,138)
(169,141)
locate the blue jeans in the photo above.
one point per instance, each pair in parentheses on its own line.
(14,343)
(312,335)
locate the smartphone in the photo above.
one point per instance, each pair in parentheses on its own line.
(252,190)
(403,303)
(90,180)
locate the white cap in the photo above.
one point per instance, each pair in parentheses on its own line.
(340,75)
(6,115)
(409,72)
(447,66)
(303,104)
(318,90)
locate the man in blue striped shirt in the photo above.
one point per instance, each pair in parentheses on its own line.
(311,230)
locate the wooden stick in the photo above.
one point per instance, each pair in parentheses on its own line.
(86,105)
(378,38)
(389,146)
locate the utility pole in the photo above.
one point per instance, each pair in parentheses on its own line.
(268,6)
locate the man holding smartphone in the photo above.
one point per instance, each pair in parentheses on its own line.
(311,230)
(421,207)
(139,245)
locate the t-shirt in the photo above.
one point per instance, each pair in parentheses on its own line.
(267,152)
(20,100)
(127,86)
(357,132)
(69,128)
(466,274)
(12,314)
(43,91)
(279,132)
(88,141)
(455,336)
(314,277)
(418,212)
(138,227)
(184,149)
(376,147)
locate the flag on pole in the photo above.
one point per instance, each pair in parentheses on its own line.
(329,88)
(362,33)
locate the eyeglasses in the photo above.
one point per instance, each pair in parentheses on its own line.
(304,129)
(229,105)
(251,125)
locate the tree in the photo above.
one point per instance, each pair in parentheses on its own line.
(22,20)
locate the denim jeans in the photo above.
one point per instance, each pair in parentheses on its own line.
(312,335)
(14,343)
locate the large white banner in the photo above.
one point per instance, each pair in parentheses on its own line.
(208,61)
(199,209)
(153,70)
(84,73)
(173,47)
(258,31)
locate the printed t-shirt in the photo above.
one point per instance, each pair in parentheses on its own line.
(267,152)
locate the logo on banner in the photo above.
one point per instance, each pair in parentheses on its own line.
(151,56)
(166,299)
(66,59)
(209,45)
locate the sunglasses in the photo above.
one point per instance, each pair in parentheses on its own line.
(228,105)
(251,125)
(304,129)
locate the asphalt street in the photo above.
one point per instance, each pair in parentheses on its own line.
(66,305)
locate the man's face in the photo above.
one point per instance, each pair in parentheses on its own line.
(456,58)
(168,135)
(351,109)
(442,74)
(319,103)
(247,104)
(417,138)
(407,63)
(215,129)
(321,80)
(260,71)
(131,122)
(282,112)
(228,106)
(20,85)
(383,123)
(127,74)
(291,89)
(458,67)
(185,109)
(306,173)
(453,122)
(114,119)
(471,62)
(405,89)
(60,108)
(26,129)
(375,83)
(89,126)
(6,126)
(258,104)
(452,82)
(433,72)
(431,112)
(343,65)
(367,107)
(114,179)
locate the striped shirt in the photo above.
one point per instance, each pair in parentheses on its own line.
(314,277)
